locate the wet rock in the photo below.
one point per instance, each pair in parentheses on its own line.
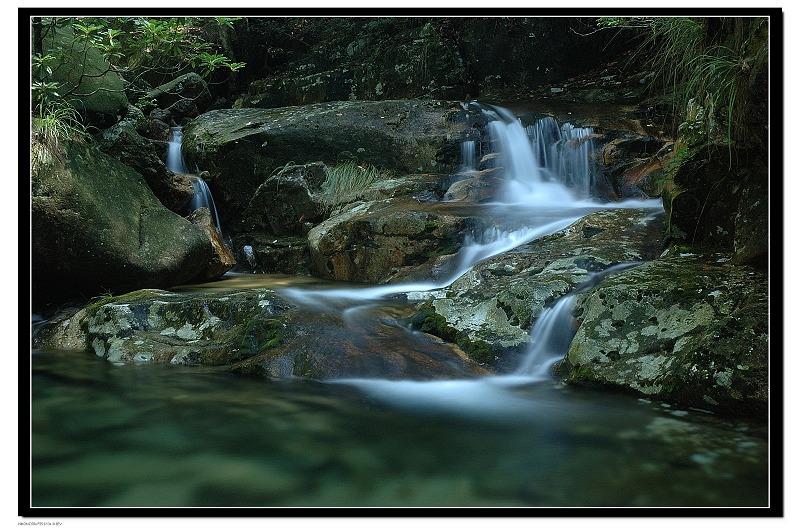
(480,188)
(242,148)
(222,258)
(123,141)
(261,252)
(256,332)
(688,329)
(491,308)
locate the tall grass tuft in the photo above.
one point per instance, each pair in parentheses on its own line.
(347,181)
(713,63)
(51,126)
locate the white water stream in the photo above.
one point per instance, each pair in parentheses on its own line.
(202,195)
(548,179)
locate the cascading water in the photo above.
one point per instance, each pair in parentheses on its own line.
(202,198)
(468,156)
(174,153)
(528,182)
(202,194)
(554,329)
(549,176)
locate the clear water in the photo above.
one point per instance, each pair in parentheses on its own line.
(163,436)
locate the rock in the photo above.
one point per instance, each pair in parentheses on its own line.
(715,204)
(686,329)
(61,332)
(260,252)
(124,142)
(478,189)
(189,87)
(242,148)
(256,332)
(491,308)
(183,110)
(96,226)
(283,205)
(400,57)
(373,241)
(221,257)
(85,79)
(751,224)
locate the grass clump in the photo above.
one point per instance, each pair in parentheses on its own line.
(50,127)
(347,181)
(712,69)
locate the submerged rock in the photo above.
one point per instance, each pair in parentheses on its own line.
(686,329)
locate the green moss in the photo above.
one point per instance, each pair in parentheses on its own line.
(429,321)
(260,335)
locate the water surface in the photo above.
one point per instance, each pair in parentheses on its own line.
(163,436)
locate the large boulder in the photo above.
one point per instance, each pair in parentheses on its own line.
(490,310)
(254,332)
(85,78)
(97,227)
(687,329)
(242,148)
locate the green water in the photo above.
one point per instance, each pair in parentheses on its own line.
(107,435)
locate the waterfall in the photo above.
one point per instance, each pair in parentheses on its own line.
(468,159)
(202,194)
(574,158)
(551,336)
(545,164)
(174,153)
(549,177)
(554,329)
(202,198)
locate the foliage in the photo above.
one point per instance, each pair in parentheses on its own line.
(133,47)
(346,181)
(49,127)
(707,67)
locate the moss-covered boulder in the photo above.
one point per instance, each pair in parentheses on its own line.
(687,329)
(491,308)
(85,79)
(97,227)
(253,332)
(242,148)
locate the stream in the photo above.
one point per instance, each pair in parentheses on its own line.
(128,435)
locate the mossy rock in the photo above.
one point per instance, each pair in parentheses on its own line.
(687,329)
